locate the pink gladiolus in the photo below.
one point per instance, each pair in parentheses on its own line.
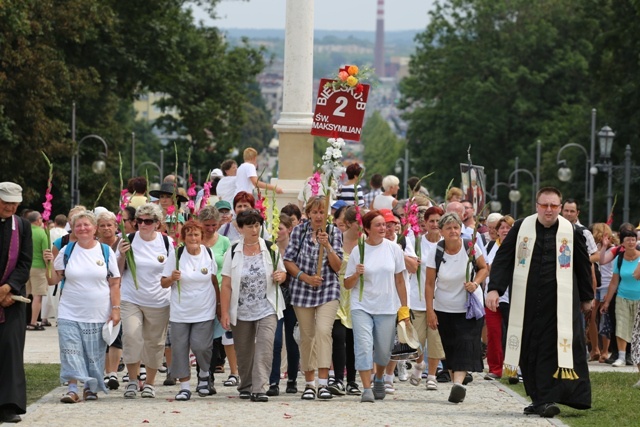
(315,184)
(191,192)
(171,209)
(48,197)
(119,218)
(191,205)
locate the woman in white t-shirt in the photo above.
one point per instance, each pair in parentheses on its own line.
(91,298)
(145,309)
(374,315)
(446,309)
(194,293)
(430,236)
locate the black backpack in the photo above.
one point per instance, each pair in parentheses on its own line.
(440,254)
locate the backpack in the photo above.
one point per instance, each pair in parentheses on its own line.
(67,253)
(268,243)
(440,254)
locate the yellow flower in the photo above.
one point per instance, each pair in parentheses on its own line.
(352,81)
(352,70)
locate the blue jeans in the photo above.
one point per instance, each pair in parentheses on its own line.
(373,336)
(293,353)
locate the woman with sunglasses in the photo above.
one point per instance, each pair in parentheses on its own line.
(145,309)
(252,303)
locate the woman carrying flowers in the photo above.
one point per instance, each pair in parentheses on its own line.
(315,298)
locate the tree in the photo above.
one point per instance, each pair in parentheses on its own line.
(381,146)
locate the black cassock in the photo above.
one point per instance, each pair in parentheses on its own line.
(539,355)
(13,390)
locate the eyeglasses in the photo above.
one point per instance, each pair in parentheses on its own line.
(546,206)
(145,221)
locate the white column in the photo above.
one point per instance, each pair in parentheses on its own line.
(294,126)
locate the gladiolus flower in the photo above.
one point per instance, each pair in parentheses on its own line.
(352,81)
(171,209)
(343,75)
(352,70)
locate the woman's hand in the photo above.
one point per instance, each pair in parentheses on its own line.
(492,300)
(604,308)
(471,286)
(432,320)
(175,275)
(360,269)
(313,281)
(47,255)
(279,276)
(323,239)
(224,321)
(115,316)
(606,241)
(124,247)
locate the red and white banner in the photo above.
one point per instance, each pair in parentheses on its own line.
(339,112)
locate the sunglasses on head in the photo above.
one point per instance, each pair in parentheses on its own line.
(145,221)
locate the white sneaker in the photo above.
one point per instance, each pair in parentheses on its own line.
(388,388)
(432,385)
(402,371)
(618,363)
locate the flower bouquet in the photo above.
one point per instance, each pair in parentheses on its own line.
(46,213)
(361,235)
(351,77)
(124,202)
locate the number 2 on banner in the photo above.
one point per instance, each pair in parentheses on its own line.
(343,101)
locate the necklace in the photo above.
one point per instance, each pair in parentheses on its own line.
(252,244)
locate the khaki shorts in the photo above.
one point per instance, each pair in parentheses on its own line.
(625,316)
(428,335)
(37,284)
(144,331)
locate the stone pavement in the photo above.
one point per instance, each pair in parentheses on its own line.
(487,403)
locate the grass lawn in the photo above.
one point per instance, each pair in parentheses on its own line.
(614,402)
(41,379)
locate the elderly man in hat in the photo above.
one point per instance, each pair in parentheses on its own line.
(16,252)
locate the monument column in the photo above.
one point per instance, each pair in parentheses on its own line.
(295,158)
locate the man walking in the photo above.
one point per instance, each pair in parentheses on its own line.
(544,261)
(16,251)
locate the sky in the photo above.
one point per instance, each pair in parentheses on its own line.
(359,15)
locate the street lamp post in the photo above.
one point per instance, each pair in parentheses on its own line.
(98,166)
(495,204)
(606,136)
(564,173)
(514,195)
(133,154)
(150,164)
(405,169)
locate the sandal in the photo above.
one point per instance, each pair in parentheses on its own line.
(148,391)
(202,388)
(131,391)
(309,393)
(232,381)
(31,327)
(183,395)
(324,393)
(416,374)
(87,394)
(45,323)
(70,397)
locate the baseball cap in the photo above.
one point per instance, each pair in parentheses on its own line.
(223,204)
(10,192)
(216,172)
(388,215)
(338,204)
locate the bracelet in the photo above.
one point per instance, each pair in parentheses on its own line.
(115,307)
(330,251)
(477,286)
(298,275)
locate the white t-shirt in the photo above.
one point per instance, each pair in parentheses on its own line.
(197,299)
(451,295)
(226,189)
(86,296)
(150,260)
(417,303)
(381,263)
(243,178)
(489,260)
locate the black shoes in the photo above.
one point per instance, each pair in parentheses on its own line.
(530,410)
(545,410)
(259,397)
(458,393)
(9,416)
(292,387)
(274,390)
(245,395)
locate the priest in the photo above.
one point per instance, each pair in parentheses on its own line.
(543,261)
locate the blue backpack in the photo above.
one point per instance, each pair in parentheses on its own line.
(67,253)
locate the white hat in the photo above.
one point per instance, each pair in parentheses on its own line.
(99,209)
(216,172)
(10,192)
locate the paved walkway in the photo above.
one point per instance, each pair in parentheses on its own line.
(487,403)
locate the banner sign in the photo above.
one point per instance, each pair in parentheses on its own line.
(339,112)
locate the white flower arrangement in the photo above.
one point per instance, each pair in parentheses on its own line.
(332,158)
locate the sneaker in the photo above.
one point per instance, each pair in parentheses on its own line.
(388,388)
(113,383)
(618,363)
(292,387)
(458,393)
(367,396)
(274,390)
(432,385)
(131,391)
(402,371)
(353,389)
(379,390)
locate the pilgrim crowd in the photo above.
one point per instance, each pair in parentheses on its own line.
(357,289)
